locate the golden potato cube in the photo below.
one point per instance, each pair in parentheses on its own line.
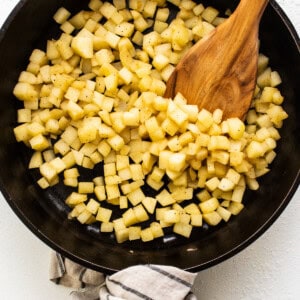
(209,14)
(154,130)
(192,209)
(103,214)
(147,235)
(100,192)
(85,187)
(196,220)
(75,111)
(150,204)
(61,15)
(83,46)
(129,217)
(93,206)
(156,230)
(176,162)
(75,198)
(39,142)
(183,229)
(255,150)
(136,172)
(123,202)
(36,160)
(226,185)
(58,164)
(24,115)
(122,235)
(140,213)
(112,191)
(84,217)
(122,162)
(209,206)
(212,218)
(235,208)
(136,196)
(171,216)
(205,119)
(224,213)
(212,183)
(116,142)
(48,171)
(134,233)
(107,227)
(43,183)
(176,114)
(165,198)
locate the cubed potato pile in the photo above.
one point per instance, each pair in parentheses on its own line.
(95,96)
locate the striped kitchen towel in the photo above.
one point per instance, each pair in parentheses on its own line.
(141,282)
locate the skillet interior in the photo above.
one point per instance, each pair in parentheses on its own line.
(44,212)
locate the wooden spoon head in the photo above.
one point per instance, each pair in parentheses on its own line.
(220,70)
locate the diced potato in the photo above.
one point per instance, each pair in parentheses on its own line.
(212,218)
(209,206)
(147,235)
(107,227)
(134,233)
(183,229)
(103,214)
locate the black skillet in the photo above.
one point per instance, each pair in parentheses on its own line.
(44,212)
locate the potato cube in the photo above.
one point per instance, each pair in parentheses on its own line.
(43,183)
(122,235)
(129,217)
(140,213)
(125,29)
(126,75)
(160,61)
(92,206)
(192,209)
(136,196)
(176,162)
(212,218)
(156,229)
(209,205)
(196,220)
(255,149)
(107,227)
(75,198)
(235,208)
(112,191)
(85,187)
(36,160)
(154,130)
(103,214)
(83,46)
(226,185)
(134,233)
(84,217)
(165,198)
(171,216)
(147,235)
(183,229)
(150,204)
(61,15)
(224,213)
(212,183)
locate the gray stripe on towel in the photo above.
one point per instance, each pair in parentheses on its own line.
(129,289)
(169,275)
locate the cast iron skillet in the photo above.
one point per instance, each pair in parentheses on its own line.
(44,212)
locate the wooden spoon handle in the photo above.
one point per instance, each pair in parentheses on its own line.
(249,12)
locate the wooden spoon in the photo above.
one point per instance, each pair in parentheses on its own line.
(220,70)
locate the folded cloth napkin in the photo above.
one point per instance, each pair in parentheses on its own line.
(147,282)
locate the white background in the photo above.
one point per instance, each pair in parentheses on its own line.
(267,269)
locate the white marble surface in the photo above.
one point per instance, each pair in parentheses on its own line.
(267,269)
